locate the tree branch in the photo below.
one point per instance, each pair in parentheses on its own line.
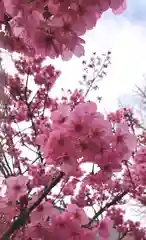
(23,217)
(107,205)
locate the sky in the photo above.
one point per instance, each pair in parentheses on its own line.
(125,36)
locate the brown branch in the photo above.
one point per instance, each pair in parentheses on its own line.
(23,217)
(34,128)
(46,191)
(107,205)
(99,73)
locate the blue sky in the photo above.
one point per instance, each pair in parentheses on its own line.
(136,10)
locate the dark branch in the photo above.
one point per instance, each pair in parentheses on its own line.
(107,205)
(23,217)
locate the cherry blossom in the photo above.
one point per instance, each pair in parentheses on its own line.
(58,26)
(16,187)
(77,214)
(67,168)
(104,228)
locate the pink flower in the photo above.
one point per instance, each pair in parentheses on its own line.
(69,165)
(72,45)
(11,7)
(86,16)
(2,11)
(80,118)
(118,6)
(86,108)
(104,228)
(104,5)
(47,42)
(60,115)
(41,139)
(68,19)
(8,207)
(140,156)
(77,214)
(16,187)
(124,139)
(43,211)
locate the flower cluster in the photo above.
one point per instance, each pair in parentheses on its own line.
(83,135)
(51,27)
(65,165)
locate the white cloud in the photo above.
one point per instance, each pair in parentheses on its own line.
(128,44)
(126,40)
